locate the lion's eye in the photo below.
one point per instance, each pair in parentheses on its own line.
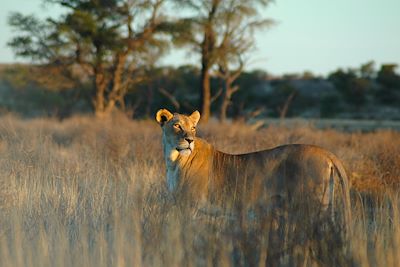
(177,126)
(193,128)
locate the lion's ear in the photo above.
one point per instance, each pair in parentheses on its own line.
(163,116)
(195,117)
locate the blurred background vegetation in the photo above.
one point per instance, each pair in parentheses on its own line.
(102,55)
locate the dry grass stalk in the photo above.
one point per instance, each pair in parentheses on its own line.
(88,193)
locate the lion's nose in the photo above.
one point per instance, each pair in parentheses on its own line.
(189,139)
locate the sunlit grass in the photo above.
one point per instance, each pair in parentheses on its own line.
(89,193)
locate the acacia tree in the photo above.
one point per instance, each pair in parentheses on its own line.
(237,28)
(212,30)
(109,39)
(228,77)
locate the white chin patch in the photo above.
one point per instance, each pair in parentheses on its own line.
(185,152)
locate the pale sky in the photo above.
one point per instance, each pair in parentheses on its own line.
(313,35)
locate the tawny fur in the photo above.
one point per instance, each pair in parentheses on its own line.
(290,172)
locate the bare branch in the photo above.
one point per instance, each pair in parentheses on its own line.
(216,95)
(234,89)
(284,109)
(170,97)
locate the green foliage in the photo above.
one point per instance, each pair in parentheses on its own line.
(359,85)
(115,45)
(367,70)
(17,77)
(26,90)
(110,40)
(252,94)
(389,80)
(222,33)
(168,87)
(353,88)
(221,29)
(35,37)
(330,106)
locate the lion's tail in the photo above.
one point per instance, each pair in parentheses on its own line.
(338,168)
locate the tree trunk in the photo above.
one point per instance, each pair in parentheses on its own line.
(224,107)
(100,87)
(207,49)
(225,103)
(105,103)
(229,90)
(117,92)
(205,94)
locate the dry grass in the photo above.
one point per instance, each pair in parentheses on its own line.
(89,193)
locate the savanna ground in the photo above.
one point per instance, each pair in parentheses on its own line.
(88,193)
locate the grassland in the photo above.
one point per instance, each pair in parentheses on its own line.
(92,193)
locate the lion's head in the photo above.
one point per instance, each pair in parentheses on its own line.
(179,130)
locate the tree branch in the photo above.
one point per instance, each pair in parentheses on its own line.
(216,95)
(170,97)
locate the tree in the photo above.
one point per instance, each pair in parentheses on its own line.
(237,30)
(353,88)
(367,70)
(109,39)
(213,34)
(229,77)
(389,81)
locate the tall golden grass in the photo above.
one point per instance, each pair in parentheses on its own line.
(92,193)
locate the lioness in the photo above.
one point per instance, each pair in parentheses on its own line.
(280,177)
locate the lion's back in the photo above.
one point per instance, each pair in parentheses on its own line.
(282,171)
